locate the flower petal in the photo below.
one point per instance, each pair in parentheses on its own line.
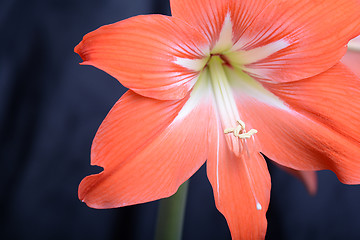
(316,33)
(319,130)
(148,148)
(309,178)
(241,186)
(352,56)
(206,15)
(142,53)
(352,60)
(331,98)
(278,40)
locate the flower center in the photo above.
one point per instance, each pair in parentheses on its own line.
(225,104)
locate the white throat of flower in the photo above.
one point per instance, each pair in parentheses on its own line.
(225,104)
(225,67)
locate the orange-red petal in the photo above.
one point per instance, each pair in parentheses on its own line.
(319,130)
(147,148)
(241,186)
(141,52)
(205,15)
(317,33)
(309,178)
(331,98)
(311,36)
(352,56)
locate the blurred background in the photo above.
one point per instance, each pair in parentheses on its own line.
(50,109)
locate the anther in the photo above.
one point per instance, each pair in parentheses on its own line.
(240,132)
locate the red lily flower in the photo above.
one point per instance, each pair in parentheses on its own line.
(224,80)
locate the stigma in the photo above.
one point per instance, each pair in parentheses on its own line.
(240,132)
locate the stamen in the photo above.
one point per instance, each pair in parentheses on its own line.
(240,132)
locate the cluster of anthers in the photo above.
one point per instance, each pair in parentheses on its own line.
(240,132)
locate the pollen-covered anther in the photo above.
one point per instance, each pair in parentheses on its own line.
(240,132)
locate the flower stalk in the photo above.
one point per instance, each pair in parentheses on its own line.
(171,214)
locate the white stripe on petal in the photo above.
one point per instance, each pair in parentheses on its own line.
(192,64)
(241,58)
(224,42)
(198,94)
(243,83)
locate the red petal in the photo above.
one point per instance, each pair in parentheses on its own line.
(321,128)
(309,178)
(317,33)
(239,183)
(331,98)
(141,53)
(147,148)
(205,15)
(312,35)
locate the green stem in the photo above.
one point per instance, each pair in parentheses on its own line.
(171,215)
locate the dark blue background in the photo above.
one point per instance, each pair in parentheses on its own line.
(50,109)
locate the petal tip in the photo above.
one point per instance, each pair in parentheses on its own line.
(85,62)
(77,48)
